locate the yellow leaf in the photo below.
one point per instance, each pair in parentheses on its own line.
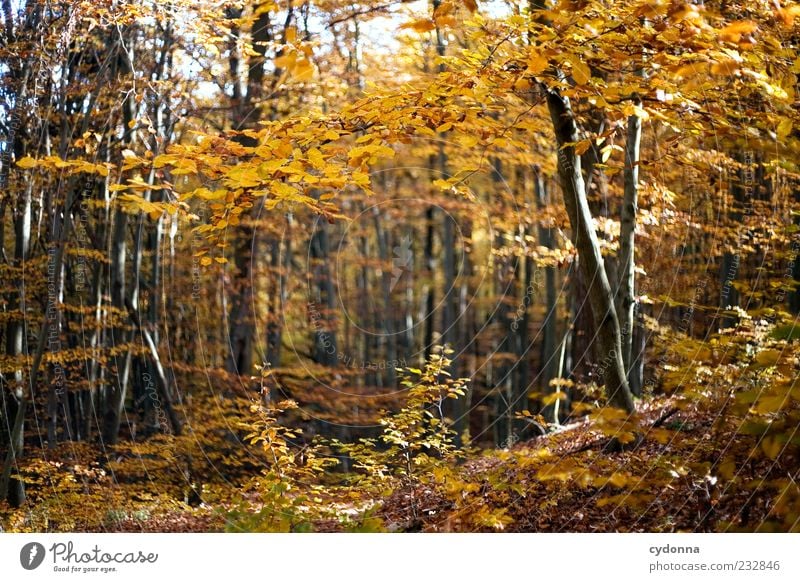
(185,166)
(788,14)
(205,261)
(727,469)
(445,21)
(553,397)
(728,67)
(206,194)
(522,84)
(734,31)
(423,25)
(445,7)
(303,70)
(768,357)
(468,141)
(27,162)
(582,146)
(163,160)
(536,64)
(315,158)
(580,70)
(286,61)
(283,190)
(243,177)
(784,127)
(631,109)
(770,404)
(771,446)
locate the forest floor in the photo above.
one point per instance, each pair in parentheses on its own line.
(682,472)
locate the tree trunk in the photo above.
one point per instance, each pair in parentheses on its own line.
(626,300)
(324,304)
(387,283)
(601,298)
(550,351)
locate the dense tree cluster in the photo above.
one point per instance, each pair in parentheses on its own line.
(391,265)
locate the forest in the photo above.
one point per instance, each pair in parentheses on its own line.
(399,266)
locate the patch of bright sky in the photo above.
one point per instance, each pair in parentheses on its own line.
(381,34)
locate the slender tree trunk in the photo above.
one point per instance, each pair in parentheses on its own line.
(549,352)
(430,282)
(601,298)
(119,256)
(636,372)
(247,113)
(626,299)
(163,381)
(122,361)
(280,263)
(325,346)
(387,282)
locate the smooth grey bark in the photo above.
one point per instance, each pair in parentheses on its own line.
(365,313)
(122,362)
(119,257)
(430,285)
(601,298)
(636,371)
(15,347)
(626,299)
(457,408)
(549,352)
